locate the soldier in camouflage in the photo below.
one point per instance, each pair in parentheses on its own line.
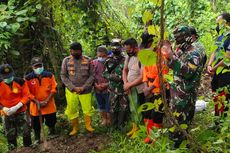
(113,72)
(187,64)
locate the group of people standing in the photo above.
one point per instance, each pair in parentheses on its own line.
(120,84)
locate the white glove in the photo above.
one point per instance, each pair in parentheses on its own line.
(200,105)
(5,110)
(14,109)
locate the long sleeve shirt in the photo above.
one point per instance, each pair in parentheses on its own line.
(11,95)
(77,73)
(40,89)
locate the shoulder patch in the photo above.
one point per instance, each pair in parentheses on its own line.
(20,81)
(30,76)
(47,74)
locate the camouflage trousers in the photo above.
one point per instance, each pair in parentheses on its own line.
(14,125)
(118,109)
(184,110)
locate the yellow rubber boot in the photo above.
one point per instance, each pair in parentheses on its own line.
(88,123)
(134,129)
(74,124)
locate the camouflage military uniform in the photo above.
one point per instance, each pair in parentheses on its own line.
(14,124)
(187,66)
(118,99)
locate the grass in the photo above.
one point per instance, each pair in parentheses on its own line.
(205,136)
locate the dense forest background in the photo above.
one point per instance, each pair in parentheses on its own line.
(45,28)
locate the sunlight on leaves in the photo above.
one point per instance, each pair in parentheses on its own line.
(147,16)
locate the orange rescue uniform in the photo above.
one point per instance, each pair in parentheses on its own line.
(150,75)
(40,89)
(12,95)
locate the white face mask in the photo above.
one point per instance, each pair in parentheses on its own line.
(101,59)
(39,70)
(8,80)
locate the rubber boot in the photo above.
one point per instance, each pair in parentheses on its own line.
(121,120)
(37,137)
(74,123)
(114,119)
(149,127)
(134,129)
(52,130)
(103,117)
(27,141)
(88,123)
(12,144)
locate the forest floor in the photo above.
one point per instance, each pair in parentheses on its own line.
(66,144)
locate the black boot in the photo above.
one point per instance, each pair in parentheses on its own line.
(27,141)
(12,144)
(37,137)
(52,131)
(121,120)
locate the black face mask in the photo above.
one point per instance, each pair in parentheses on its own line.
(116,53)
(130,54)
(76,56)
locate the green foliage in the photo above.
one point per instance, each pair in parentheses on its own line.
(13,20)
(147,57)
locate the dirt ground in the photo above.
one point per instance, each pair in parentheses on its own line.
(66,144)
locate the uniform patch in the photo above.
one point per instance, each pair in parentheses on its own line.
(6,70)
(33,82)
(72,72)
(15,90)
(192,66)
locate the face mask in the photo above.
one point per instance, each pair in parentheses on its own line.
(8,80)
(116,53)
(131,53)
(76,56)
(39,70)
(101,59)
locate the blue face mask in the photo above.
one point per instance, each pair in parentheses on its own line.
(8,80)
(101,59)
(39,70)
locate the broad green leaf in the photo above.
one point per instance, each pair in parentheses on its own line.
(22,12)
(33,19)
(14,52)
(157,2)
(183,126)
(3,8)
(152,30)
(147,57)
(38,6)
(166,35)
(219,69)
(20,19)
(3,24)
(225,70)
(172,129)
(169,77)
(15,27)
(147,16)
(145,107)
(219,141)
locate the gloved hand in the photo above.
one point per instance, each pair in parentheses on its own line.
(5,110)
(14,109)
